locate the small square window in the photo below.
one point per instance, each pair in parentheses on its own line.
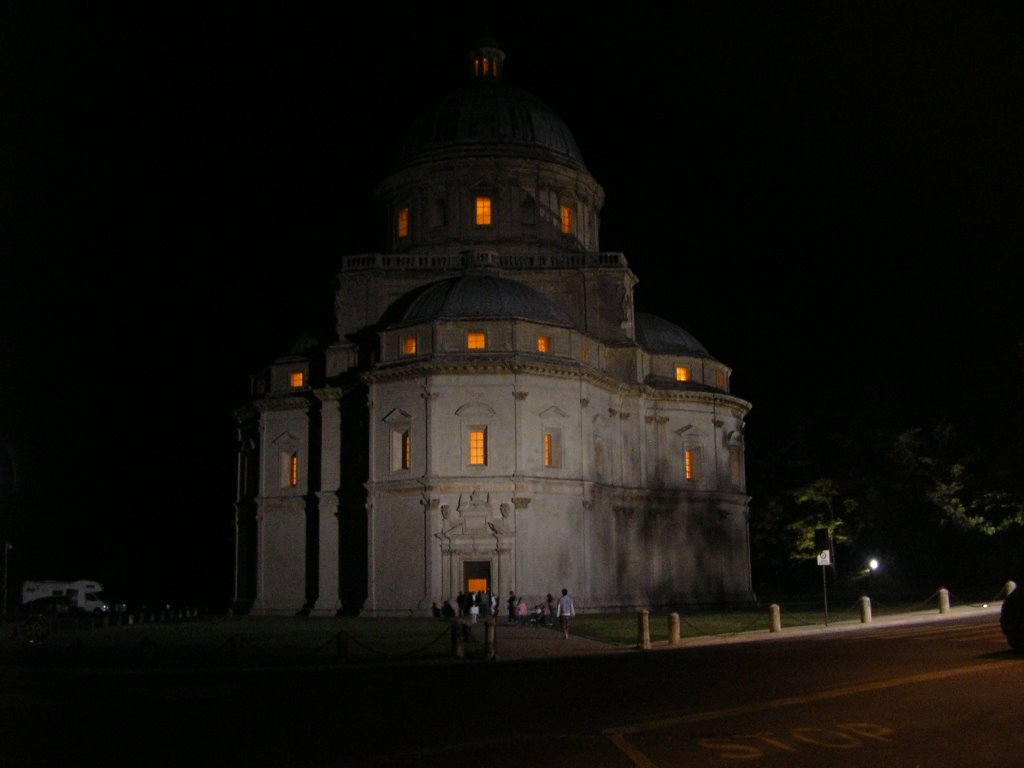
(483,211)
(296,378)
(409,345)
(476,340)
(543,343)
(682,373)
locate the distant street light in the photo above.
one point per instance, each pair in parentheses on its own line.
(873,564)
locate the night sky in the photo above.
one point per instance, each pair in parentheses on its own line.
(827,195)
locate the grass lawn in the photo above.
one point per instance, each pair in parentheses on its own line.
(214,640)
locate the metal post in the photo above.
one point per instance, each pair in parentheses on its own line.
(824,590)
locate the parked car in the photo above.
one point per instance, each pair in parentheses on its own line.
(1011,619)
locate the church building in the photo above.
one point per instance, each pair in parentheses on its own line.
(493,413)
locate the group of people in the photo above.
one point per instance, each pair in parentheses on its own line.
(484,604)
(543,613)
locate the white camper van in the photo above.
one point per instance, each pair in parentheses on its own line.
(82,595)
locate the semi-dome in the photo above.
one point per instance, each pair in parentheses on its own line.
(662,337)
(490,114)
(482,297)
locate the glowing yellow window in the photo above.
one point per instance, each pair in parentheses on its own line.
(566,220)
(476,340)
(483,211)
(682,373)
(409,345)
(720,380)
(585,353)
(403,222)
(690,464)
(296,378)
(543,343)
(478,446)
(548,456)
(406,450)
(293,470)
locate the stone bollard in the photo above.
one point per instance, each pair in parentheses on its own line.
(943,600)
(643,631)
(865,609)
(458,642)
(673,629)
(490,648)
(774,618)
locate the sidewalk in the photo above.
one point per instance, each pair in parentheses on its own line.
(514,643)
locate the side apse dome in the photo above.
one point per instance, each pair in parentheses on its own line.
(482,297)
(662,337)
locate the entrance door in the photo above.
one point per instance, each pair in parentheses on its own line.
(476,576)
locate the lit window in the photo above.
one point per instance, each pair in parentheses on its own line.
(476,340)
(483,211)
(401,448)
(682,373)
(566,220)
(585,353)
(691,463)
(403,222)
(553,448)
(719,379)
(293,470)
(543,343)
(409,345)
(296,378)
(478,446)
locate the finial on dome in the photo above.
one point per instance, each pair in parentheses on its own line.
(486,59)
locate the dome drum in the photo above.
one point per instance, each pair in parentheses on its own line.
(529,202)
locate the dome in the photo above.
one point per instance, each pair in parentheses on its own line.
(488,113)
(662,337)
(482,297)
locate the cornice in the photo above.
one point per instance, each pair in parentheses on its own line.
(479,365)
(288,403)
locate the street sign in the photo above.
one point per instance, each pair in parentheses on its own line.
(825,557)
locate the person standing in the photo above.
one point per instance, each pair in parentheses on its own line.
(522,612)
(565,610)
(511,604)
(551,610)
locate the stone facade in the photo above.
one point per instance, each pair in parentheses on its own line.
(493,410)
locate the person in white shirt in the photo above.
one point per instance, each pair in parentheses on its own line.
(565,610)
